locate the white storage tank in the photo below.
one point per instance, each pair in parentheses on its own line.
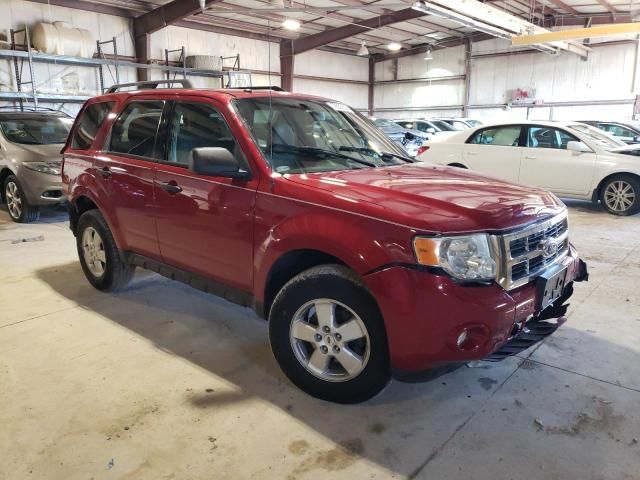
(60,38)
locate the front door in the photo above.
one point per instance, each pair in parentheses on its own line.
(205,223)
(495,151)
(547,163)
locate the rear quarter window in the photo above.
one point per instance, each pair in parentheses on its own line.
(88,124)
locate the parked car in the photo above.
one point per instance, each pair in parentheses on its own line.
(361,259)
(457,124)
(627,132)
(430,129)
(30,159)
(573,160)
(409,139)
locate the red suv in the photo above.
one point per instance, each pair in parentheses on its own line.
(363,261)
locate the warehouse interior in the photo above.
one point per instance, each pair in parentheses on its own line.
(161,380)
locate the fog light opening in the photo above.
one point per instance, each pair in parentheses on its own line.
(462,337)
(471,338)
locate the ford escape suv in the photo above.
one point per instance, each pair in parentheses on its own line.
(363,262)
(30,160)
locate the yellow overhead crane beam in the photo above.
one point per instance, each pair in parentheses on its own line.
(577,33)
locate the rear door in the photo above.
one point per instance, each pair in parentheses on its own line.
(205,223)
(547,163)
(124,173)
(495,151)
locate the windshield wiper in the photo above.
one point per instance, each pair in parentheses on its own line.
(317,152)
(381,154)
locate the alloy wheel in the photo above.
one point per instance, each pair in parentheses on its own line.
(619,196)
(93,250)
(330,340)
(14,200)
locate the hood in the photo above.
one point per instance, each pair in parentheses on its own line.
(49,152)
(435,199)
(625,149)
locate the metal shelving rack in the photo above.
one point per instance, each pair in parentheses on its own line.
(18,57)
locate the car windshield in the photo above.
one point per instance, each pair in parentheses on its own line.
(305,136)
(443,126)
(380,122)
(598,136)
(36,130)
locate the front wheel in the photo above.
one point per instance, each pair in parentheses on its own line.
(328,335)
(620,195)
(19,209)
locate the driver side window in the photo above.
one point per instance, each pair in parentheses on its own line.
(548,137)
(196,125)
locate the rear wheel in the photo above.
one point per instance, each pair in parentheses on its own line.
(328,336)
(19,209)
(99,255)
(620,195)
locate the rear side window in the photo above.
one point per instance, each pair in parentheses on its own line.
(88,125)
(135,130)
(503,136)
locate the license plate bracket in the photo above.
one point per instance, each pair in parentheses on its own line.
(551,285)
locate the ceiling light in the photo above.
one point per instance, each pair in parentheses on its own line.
(202,5)
(394,46)
(363,51)
(428,55)
(291,24)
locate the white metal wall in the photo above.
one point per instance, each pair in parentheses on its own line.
(318,63)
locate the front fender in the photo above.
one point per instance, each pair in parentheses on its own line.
(361,244)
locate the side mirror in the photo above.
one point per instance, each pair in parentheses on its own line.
(216,162)
(636,139)
(578,147)
(431,130)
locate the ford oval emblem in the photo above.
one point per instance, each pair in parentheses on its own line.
(548,247)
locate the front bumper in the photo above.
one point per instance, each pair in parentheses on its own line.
(425,314)
(41,188)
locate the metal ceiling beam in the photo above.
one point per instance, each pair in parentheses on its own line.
(166,15)
(91,7)
(608,6)
(563,6)
(335,34)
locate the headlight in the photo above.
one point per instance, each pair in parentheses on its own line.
(468,257)
(42,167)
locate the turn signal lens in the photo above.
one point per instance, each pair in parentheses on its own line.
(427,251)
(422,149)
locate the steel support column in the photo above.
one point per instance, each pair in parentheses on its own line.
(372,80)
(287,64)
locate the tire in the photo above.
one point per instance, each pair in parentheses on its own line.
(294,316)
(19,210)
(620,195)
(114,274)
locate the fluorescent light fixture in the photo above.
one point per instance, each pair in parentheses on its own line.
(394,46)
(202,5)
(428,55)
(463,20)
(363,51)
(291,24)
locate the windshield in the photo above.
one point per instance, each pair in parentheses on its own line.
(385,123)
(598,136)
(305,136)
(443,126)
(36,130)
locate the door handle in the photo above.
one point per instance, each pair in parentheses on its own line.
(471,153)
(171,187)
(529,157)
(104,172)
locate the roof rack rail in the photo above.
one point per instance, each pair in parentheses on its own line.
(150,84)
(25,108)
(275,88)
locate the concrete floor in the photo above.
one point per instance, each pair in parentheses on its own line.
(165,382)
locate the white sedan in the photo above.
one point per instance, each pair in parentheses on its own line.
(571,159)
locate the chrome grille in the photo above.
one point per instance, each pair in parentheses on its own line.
(531,250)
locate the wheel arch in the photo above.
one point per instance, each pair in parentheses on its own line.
(287,266)
(595,196)
(457,165)
(4,173)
